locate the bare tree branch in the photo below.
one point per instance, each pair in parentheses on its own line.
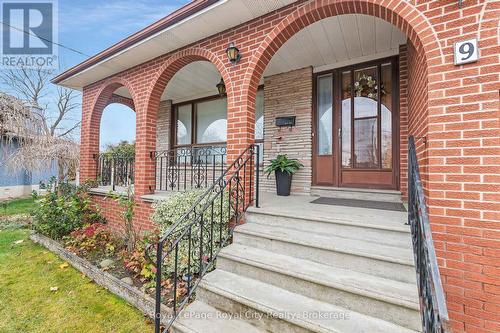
(77,125)
(65,105)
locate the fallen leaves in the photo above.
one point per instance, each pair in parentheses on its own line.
(64,265)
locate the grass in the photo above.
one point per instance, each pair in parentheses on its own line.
(28,271)
(16,206)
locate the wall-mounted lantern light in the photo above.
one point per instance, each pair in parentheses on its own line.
(233,53)
(221,87)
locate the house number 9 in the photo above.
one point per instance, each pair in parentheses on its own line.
(466,52)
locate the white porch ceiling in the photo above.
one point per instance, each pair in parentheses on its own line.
(330,43)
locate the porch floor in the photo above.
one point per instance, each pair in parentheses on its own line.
(300,206)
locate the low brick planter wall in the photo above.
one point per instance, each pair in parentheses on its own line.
(132,295)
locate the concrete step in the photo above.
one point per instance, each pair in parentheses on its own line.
(387,299)
(356,193)
(382,233)
(268,307)
(361,256)
(199,317)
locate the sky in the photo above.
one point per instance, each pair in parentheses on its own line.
(90,26)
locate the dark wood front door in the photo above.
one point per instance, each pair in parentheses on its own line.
(356,126)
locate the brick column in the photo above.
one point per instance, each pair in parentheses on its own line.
(403,120)
(240,125)
(145,144)
(241,132)
(89,145)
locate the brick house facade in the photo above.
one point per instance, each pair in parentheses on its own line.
(453,111)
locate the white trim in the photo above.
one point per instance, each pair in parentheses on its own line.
(349,62)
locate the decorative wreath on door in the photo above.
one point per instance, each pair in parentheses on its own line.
(366,86)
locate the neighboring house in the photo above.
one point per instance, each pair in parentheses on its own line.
(18,183)
(14,184)
(358,78)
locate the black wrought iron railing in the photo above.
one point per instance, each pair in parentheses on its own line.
(115,171)
(432,299)
(181,169)
(188,250)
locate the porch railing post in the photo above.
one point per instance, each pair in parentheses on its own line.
(113,174)
(257,176)
(159,250)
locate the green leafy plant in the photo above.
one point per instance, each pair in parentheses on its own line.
(63,209)
(207,225)
(284,164)
(136,262)
(122,150)
(127,202)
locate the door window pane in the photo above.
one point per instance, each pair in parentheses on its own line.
(259,115)
(324,114)
(365,143)
(211,121)
(365,91)
(346,120)
(386,116)
(184,122)
(386,86)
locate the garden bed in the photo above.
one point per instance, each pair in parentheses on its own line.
(67,223)
(130,293)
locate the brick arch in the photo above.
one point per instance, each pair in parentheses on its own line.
(424,45)
(147,112)
(99,95)
(117,99)
(401,14)
(106,96)
(174,64)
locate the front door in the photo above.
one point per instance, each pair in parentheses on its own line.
(356,126)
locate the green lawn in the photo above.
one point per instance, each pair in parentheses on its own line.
(16,206)
(28,271)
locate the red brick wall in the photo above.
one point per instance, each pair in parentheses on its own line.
(462,123)
(417,107)
(403,120)
(112,211)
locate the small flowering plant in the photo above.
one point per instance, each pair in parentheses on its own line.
(91,240)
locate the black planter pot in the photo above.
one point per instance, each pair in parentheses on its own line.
(283,183)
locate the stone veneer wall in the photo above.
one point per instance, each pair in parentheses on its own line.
(163,133)
(163,125)
(289,94)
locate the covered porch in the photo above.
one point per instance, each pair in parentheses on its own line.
(343,81)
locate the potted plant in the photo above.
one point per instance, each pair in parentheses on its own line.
(283,168)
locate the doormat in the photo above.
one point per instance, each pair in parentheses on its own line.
(394,206)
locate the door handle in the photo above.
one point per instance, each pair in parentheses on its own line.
(340,133)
